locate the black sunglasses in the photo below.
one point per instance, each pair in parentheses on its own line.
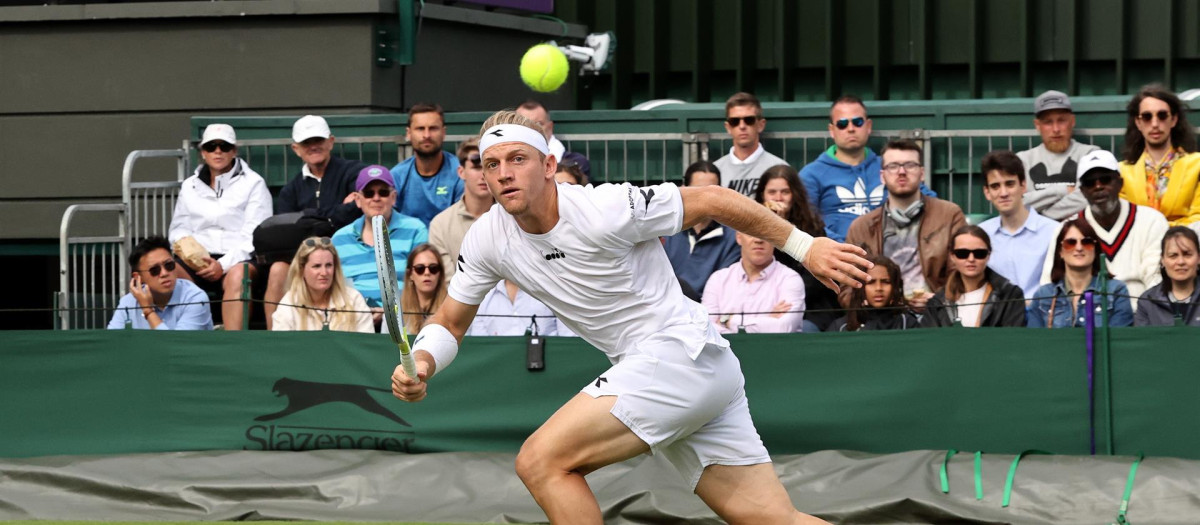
(434,269)
(312,242)
(210,147)
(1147,116)
(844,123)
(474,159)
(737,121)
(963,253)
(370,194)
(157,269)
(1103,180)
(1086,242)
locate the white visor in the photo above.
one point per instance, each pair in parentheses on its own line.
(502,133)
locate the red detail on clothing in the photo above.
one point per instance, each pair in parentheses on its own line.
(1110,250)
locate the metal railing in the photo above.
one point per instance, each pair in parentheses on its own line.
(91,270)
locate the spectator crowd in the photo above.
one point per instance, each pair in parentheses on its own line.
(1077,231)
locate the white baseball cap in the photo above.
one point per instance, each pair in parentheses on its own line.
(218,132)
(310,126)
(1099,159)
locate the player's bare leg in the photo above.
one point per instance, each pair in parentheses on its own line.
(749,494)
(580,437)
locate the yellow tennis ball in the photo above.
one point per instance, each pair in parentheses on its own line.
(544,68)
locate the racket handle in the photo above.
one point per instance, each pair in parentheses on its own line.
(409,364)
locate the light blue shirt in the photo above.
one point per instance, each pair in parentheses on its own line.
(425,197)
(515,317)
(187,310)
(358,259)
(1018,256)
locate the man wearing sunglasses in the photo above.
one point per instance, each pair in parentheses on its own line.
(843,183)
(156,299)
(375,195)
(1161,168)
(447,229)
(747,159)
(1130,235)
(1050,168)
(427,181)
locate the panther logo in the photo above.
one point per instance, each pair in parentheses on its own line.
(303,395)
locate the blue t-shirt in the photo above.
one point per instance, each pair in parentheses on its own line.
(358,259)
(425,197)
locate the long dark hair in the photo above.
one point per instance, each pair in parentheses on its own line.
(801,214)
(857,312)
(700,166)
(1059,269)
(954,282)
(1176,231)
(1182,135)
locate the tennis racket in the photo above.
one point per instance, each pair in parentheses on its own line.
(386,268)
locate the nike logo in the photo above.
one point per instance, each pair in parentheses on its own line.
(417,341)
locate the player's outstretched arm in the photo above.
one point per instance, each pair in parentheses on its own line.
(830,261)
(434,348)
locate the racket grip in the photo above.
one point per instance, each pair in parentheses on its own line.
(409,364)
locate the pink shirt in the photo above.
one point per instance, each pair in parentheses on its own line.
(729,293)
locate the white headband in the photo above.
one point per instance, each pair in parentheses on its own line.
(502,133)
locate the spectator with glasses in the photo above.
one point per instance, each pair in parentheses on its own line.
(914,230)
(219,207)
(1161,168)
(747,159)
(447,229)
(1130,236)
(425,287)
(880,303)
(1176,300)
(375,195)
(1075,269)
(157,300)
(843,182)
(975,295)
(318,296)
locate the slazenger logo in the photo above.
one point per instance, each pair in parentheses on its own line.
(303,395)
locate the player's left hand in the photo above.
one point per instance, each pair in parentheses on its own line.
(834,262)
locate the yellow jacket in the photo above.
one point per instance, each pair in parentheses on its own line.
(1181,202)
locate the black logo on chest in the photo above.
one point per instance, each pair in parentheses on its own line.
(554,254)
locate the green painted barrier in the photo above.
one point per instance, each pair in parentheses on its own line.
(1000,390)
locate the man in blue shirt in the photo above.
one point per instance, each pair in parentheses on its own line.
(157,300)
(428,181)
(355,242)
(1020,236)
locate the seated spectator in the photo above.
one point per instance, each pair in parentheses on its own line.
(1021,236)
(219,207)
(318,295)
(912,229)
(739,297)
(1176,300)
(425,287)
(570,174)
(535,111)
(780,189)
(515,313)
(447,229)
(1161,168)
(323,190)
(1130,235)
(1076,269)
(1051,168)
(157,300)
(428,181)
(375,194)
(880,303)
(975,295)
(697,252)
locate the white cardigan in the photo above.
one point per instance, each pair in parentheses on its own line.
(222,219)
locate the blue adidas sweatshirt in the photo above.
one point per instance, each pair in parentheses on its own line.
(842,192)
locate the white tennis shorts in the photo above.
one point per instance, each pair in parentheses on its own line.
(694,413)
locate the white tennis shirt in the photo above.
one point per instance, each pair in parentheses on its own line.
(602,269)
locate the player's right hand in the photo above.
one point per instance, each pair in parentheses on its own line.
(409,389)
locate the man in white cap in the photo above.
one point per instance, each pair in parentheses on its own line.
(1050,168)
(324,189)
(1130,235)
(592,254)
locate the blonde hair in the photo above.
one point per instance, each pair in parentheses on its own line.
(410,303)
(339,297)
(506,116)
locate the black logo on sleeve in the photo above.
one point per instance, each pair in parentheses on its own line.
(601,379)
(648,194)
(303,395)
(461,262)
(554,254)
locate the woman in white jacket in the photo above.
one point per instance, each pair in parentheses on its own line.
(219,206)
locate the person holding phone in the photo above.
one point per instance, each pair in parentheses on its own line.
(157,300)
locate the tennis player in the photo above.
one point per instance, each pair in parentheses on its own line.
(593,256)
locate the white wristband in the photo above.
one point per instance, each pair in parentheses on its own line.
(440,344)
(798,244)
